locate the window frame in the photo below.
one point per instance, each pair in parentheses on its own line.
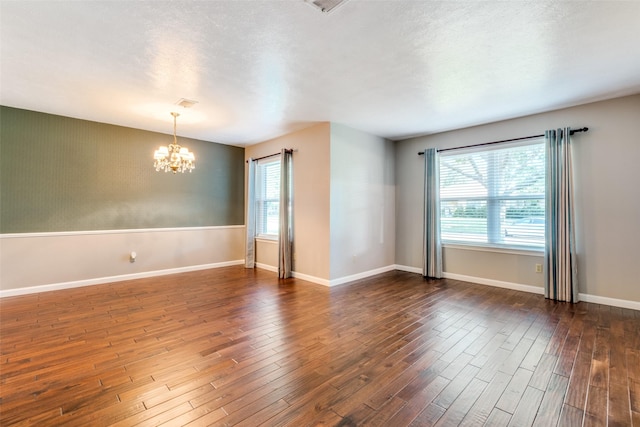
(494,241)
(260,197)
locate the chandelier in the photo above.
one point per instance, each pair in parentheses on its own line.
(174,158)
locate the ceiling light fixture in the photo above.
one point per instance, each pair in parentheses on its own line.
(186,103)
(174,158)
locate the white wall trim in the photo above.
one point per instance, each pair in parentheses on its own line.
(363,275)
(124,231)
(479,280)
(614,302)
(295,274)
(266,267)
(110,279)
(496,283)
(408,269)
(312,279)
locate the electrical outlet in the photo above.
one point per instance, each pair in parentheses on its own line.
(538,268)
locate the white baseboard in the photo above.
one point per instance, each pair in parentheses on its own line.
(496,283)
(614,302)
(334,282)
(111,279)
(363,275)
(479,280)
(312,279)
(266,267)
(408,269)
(295,274)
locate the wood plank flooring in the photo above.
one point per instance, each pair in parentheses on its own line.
(232,346)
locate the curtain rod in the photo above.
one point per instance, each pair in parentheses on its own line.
(585,129)
(289,150)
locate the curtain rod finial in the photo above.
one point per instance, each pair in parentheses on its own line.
(584,129)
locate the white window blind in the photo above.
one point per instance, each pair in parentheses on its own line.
(268,197)
(494,196)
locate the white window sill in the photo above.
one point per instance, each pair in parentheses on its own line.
(498,249)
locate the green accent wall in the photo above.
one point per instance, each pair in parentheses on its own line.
(63,174)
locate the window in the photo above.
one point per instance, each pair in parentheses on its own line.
(268,197)
(494,196)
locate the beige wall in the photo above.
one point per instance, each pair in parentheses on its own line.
(344,202)
(362,202)
(30,260)
(310,198)
(267,254)
(607,173)
(514,268)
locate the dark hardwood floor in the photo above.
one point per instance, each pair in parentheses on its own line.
(238,347)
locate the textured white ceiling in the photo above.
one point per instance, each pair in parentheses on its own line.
(260,69)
